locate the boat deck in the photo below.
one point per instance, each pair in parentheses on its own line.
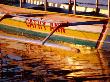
(86,28)
(48,15)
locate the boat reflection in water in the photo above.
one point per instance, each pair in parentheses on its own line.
(28,62)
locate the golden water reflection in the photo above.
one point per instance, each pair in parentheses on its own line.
(26,61)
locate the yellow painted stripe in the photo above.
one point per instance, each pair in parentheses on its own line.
(69,33)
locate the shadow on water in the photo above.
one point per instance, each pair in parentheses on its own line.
(13,70)
(21,68)
(25,70)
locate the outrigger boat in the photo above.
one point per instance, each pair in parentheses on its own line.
(70,28)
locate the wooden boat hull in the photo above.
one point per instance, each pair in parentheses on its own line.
(69,35)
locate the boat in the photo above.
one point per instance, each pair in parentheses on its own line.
(77,29)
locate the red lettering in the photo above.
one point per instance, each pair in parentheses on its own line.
(34,23)
(41,24)
(30,23)
(51,27)
(44,24)
(62,30)
(54,25)
(57,24)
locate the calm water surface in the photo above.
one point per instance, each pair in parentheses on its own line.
(28,62)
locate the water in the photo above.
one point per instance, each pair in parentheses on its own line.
(26,61)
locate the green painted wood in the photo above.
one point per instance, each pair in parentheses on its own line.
(30,33)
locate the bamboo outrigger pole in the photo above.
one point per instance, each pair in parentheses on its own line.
(43,42)
(97,4)
(45,4)
(60,26)
(74,6)
(22,2)
(70,6)
(103,36)
(104,32)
